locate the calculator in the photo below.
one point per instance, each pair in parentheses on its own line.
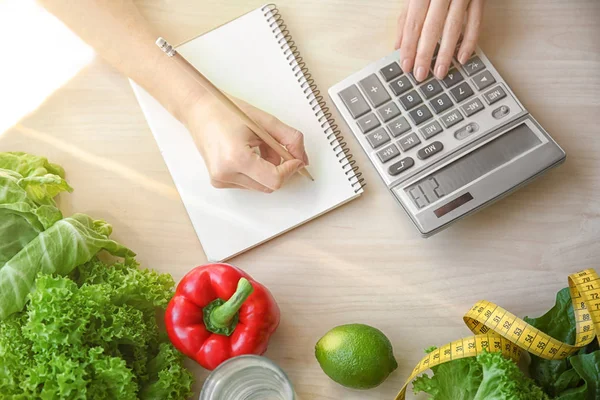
(444,148)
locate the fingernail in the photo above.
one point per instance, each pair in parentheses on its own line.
(463,57)
(405,64)
(421,73)
(441,71)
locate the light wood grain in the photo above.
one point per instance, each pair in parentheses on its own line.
(363,262)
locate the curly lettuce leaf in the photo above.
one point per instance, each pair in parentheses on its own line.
(29,165)
(59,249)
(588,367)
(93,334)
(487,376)
(456,380)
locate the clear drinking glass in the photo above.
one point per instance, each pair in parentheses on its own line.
(247,377)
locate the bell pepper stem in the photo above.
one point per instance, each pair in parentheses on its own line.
(223,315)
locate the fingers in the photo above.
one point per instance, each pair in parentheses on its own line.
(400,27)
(291,138)
(451,34)
(472,29)
(415,17)
(269,154)
(432,30)
(269,175)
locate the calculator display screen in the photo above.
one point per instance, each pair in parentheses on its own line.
(472,166)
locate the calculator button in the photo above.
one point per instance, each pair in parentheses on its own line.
(409,141)
(368,122)
(388,153)
(401,166)
(483,80)
(354,101)
(429,75)
(494,95)
(391,71)
(501,112)
(410,99)
(400,85)
(466,131)
(431,89)
(372,87)
(398,126)
(430,130)
(441,103)
(378,138)
(420,114)
(388,111)
(472,106)
(430,150)
(453,77)
(473,66)
(461,92)
(452,118)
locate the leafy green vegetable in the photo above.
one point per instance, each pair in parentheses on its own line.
(92,335)
(456,380)
(66,244)
(489,376)
(560,378)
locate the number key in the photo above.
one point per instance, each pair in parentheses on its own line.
(420,114)
(461,92)
(400,85)
(453,77)
(410,100)
(431,89)
(441,103)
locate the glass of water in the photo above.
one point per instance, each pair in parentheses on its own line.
(247,377)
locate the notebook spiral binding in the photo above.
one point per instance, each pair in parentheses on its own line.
(313,95)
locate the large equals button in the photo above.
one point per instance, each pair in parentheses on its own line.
(430,150)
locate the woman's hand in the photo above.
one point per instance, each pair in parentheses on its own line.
(228,146)
(423,22)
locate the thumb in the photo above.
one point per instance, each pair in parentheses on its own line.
(289,168)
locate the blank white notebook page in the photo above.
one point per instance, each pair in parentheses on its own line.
(244,59)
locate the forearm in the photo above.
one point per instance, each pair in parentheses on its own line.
(119,33)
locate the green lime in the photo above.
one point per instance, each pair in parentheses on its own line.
(356,356)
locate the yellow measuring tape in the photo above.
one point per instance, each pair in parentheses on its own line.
(496,329)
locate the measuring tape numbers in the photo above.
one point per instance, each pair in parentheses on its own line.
(496,329)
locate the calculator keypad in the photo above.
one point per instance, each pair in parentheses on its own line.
(441,103)
(374,90)
(408,123)
(398,126)
(410,99)
(461,92)
(420,114)
(400,85)
(368,122)
(388,111)
(431,89)
(378,137)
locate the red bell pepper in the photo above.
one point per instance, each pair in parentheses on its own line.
(219,312)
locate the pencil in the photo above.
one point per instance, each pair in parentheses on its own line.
(228,103)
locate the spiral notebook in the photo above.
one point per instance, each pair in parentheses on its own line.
(254,58)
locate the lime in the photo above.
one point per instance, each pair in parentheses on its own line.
(356,356)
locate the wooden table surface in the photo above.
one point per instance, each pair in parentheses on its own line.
(363,262)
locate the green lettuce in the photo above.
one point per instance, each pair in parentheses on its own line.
(562,379)
(489,376)
(93,335)
(66,244)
